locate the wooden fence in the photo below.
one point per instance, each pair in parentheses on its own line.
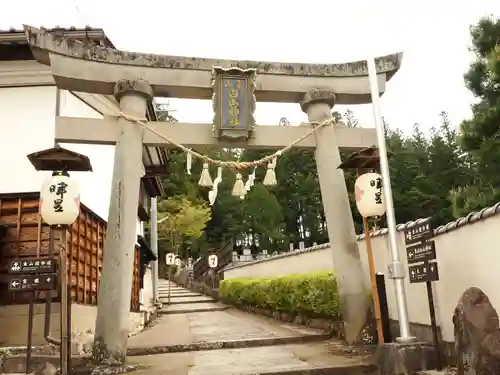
(27,236)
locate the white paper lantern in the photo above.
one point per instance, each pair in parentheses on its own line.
(59,200)
(213,261)
(178,262)
(370,195)
(170,259)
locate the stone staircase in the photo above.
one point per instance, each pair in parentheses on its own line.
(197,335)
(178,300)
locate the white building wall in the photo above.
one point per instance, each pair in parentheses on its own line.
(26,126)
(467,256)
(27,117)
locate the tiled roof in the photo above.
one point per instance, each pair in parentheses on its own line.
(16,35)
(471,218)
(452,225)
(55,28)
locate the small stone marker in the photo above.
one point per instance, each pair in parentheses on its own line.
(477,334)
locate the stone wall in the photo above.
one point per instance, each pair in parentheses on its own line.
(467,252)
(14,320)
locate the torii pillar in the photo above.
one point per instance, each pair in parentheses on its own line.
(110,339)
(318,105)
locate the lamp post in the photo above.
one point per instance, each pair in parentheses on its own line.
(154,245)
(59,208)
(362,161)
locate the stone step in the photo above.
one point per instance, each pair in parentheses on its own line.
(176,291)
(226,344)
(197,297)
(292,359)
(179,297)
(184,302)
(189,311)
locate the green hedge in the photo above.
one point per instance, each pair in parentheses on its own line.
(312,294)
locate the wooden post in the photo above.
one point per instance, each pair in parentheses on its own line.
(169,281)
(65,334)
(373,278)
(368,158)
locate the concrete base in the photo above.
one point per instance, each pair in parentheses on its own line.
(406,359)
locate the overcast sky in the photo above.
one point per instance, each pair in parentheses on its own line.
(434,36)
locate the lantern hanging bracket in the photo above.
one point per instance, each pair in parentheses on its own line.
(60,159)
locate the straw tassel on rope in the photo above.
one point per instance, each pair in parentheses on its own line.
(239,187)
(189,162)
(205,179)
(270,178)
(212,194)
(251,180)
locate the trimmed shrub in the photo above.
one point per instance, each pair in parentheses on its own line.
(312,294)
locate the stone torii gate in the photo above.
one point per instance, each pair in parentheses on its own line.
(135,78)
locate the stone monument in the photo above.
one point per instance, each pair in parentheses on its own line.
(477,334)
(235,87)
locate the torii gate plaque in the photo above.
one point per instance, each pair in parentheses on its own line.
(134,78)
(233,102)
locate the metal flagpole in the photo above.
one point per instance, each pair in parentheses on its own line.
(396,269)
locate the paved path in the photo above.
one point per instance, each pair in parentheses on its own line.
(203,339)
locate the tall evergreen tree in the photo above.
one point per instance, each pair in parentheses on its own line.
(480,135)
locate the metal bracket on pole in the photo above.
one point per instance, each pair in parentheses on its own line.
(396,270)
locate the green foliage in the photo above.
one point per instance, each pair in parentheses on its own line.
(181,221)
(444,173)
(480,135)
(312,294)
(425,168)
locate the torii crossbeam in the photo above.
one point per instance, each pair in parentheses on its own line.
(134,78)
(107,132)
